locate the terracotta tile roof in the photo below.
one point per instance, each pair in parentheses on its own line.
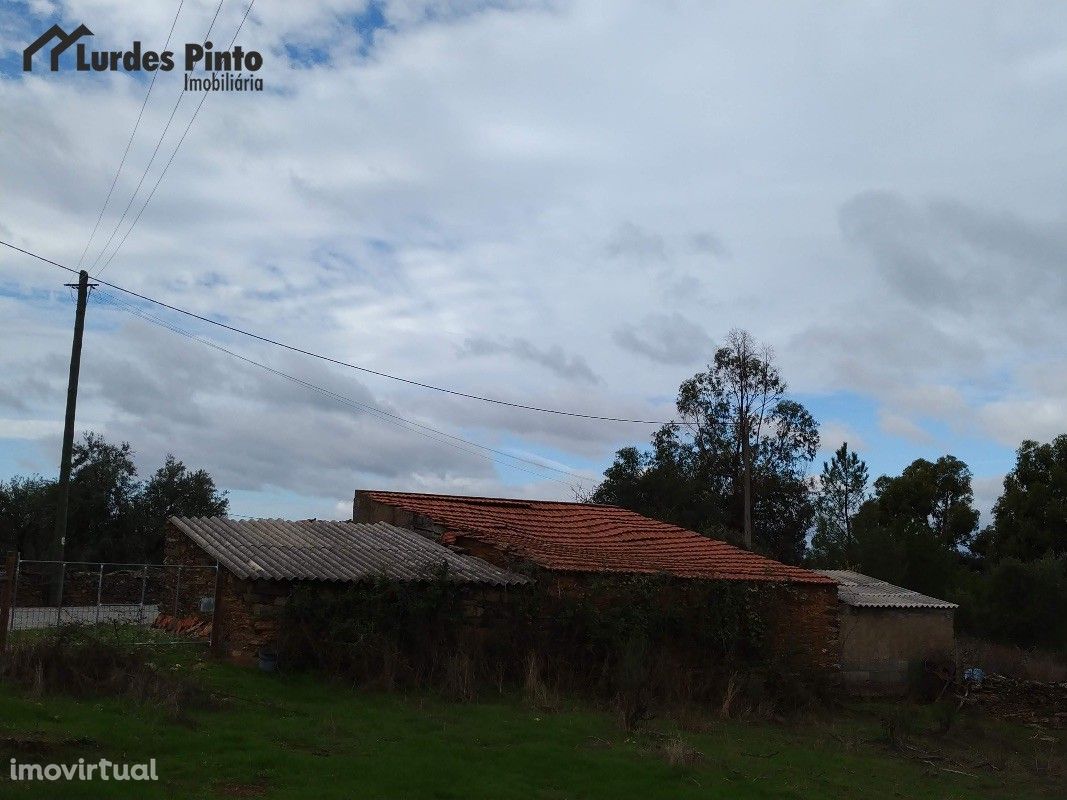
(592,538)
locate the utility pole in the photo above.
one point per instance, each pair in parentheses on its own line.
(60,542)
(746,457)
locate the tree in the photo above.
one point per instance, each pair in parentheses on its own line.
(27,516)
(1030,517)
(175,490)
(913,531)
(103,494)
(736,461)
(842,490)
(1020,602)
(112,515)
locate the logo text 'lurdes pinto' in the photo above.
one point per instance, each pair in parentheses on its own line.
(225,66)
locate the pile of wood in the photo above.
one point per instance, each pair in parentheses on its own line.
(1029,701)
(191,625)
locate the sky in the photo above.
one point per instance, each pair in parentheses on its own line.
(561,204)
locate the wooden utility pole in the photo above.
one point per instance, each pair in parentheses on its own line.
(7,592)
(746,457)
(60,540)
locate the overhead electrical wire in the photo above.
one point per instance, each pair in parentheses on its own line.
(386,416)
(137,189)
(155,186)
(427,431)
(339,362)
(174,153)
(211,27)
(151,161)
(241,24)
(129,142)
(268,340)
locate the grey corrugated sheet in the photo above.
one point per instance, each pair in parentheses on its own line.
(856,589)
(279,549)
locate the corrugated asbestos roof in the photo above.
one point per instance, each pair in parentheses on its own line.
(280,549)
(581,537)
(856,589)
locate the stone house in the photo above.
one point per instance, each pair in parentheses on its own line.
(260,561)
(888,632)
(560,543)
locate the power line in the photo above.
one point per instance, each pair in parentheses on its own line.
(340,363)
(340,397)
(129,142)
(155,186)
(140,183)
(213,19)
(241,24)
(395,419)
(148,167)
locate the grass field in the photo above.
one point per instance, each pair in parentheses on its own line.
(284,736)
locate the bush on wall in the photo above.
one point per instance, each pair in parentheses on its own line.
(635,640)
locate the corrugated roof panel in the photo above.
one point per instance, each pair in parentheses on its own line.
(332,551)
(863,591)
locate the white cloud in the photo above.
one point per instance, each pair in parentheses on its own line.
(897,425)
(1011,421)
(29,428)
(878,194)
(834,433)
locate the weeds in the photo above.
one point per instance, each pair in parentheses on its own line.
(898,725)
(1011,660)
(679,753)
(86,662)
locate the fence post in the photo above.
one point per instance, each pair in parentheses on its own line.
(59,592)
(6,599)
(216,616)
(15,590)
(144,588)
(177,589)
(99,591)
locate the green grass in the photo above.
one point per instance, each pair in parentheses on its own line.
(285,736)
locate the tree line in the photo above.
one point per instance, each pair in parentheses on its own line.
(735,466)
(112,515)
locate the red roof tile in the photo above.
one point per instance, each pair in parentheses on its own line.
(592,538)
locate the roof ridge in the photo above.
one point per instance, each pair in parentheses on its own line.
(433,495)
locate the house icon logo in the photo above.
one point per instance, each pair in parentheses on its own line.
(63,41)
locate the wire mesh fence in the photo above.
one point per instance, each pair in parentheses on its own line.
(175,599)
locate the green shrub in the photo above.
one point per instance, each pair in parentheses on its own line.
(1018,602)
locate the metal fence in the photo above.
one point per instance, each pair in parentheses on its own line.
(175,599)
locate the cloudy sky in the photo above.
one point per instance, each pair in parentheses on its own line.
(565,204)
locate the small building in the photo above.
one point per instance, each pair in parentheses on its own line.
(260,561)
(566,543)
(888,632)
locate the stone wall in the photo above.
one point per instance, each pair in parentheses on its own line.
(882,648)
(804,624)
(185,588)
(803,618)
(250,612)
